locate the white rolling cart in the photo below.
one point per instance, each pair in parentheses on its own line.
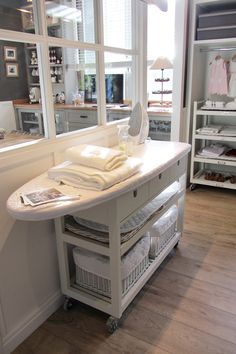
(163,164)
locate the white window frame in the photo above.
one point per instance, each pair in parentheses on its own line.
(43,42)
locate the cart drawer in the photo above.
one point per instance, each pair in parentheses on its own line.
(130,201)
(179,168)
(159,183)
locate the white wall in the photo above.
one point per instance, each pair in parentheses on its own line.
(29,279)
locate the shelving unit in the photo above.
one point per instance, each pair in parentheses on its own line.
(113,207)
(208,41)
(57,69)
(113,213)
(222,169)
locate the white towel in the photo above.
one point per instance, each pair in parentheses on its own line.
(213,150)
(91,178)
(104,159)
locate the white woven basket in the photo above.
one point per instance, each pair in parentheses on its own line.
(162,231)
(102,285)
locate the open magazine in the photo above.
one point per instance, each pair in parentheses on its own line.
(43,196)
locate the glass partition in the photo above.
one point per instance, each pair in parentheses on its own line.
(71,20)
(19,16)
(73,79)
(21,115)
(117,23)
(118,84)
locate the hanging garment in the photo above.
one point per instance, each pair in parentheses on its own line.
(218,77)
(232,79)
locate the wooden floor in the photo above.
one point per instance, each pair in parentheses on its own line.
(187,307)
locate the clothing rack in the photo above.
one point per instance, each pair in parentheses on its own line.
(218,49)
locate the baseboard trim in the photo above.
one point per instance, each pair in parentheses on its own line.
(30,324)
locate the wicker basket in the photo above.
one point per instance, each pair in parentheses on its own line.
(102,285)
(163,231)
(93,270)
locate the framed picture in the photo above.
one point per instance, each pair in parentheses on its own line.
(12,70)
(10,53)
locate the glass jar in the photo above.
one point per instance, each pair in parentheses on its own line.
(124,140)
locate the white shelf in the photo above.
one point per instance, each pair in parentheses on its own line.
(199,179)
(215,137)
(206,112)
(224,161)
(215,43)
(218,161)
(104,303)
(30,122)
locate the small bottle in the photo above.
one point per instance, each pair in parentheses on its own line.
(124,140)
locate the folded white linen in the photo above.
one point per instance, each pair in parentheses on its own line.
(210,129)
(91,178)
(103,158)
(213,150)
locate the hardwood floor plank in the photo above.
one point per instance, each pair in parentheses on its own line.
(211,254)
(172,335)
(201,271)
(224,239)
(87,332)
(189,312)
(194,289)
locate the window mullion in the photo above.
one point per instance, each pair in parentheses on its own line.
(100,66)
(44,70)
(139,40)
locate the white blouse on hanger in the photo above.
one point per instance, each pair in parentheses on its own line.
(232,79)
(218,77)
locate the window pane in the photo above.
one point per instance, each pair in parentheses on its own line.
(21,112)
(117,23)
(159,91)
(18,16)
(73,78)
(118,83)
(73,20)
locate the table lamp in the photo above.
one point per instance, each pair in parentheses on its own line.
(162,63)
(162,4)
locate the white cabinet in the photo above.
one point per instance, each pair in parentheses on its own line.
(213,132)
(208,43)
(79,119)
(113,213)
(30,120)
(159,125)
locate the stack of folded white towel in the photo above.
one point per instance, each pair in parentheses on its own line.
(213,150)
(94,167)
(209,129)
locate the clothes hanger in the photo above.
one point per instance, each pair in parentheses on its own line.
(218,57)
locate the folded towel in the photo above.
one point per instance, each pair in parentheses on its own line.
(213,150)
(91,178)
(105,159)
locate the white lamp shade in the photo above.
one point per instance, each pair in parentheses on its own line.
(161,63)
(162,4)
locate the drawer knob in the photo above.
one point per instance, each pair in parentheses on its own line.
(135,193)
(160,176)
(178,163)
(83,116)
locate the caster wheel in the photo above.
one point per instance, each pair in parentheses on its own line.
(112,324)
(67,304)
(176,245)
(192,187)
